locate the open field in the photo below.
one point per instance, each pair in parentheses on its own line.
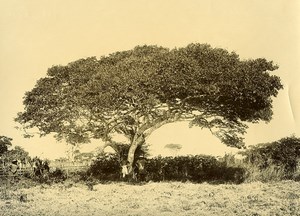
(173,198)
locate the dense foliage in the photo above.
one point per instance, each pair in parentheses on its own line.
(17,153)
(198,168)
(135,92)
(5,143)
(106,167)
(122,149)
(283,154)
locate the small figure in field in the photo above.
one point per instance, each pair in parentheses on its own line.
(140,169)
(124,165)
(13,168)
(45,165)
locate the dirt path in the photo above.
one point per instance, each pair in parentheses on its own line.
(281,198)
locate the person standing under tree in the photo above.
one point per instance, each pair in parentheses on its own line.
(124,166)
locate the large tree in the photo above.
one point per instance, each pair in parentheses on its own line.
(137,91)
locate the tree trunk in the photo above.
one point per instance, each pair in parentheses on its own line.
(137,140)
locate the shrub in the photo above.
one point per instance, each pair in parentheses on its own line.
(106,167)
(197,168)
(274,161)
(57,175)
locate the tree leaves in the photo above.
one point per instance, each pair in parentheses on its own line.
(137,91)
(5,143)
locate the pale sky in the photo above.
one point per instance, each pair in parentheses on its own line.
(36,34)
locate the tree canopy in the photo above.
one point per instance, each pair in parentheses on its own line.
(137,91)
(5,143)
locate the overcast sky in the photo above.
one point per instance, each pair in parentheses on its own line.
(36,34)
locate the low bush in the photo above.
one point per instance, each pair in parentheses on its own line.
(57,175)
(106,167)
(197,168)
(278,160)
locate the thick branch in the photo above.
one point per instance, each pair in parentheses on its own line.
(149,128)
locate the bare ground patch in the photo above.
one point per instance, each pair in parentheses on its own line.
(173,198)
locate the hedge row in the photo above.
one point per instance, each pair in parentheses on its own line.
(198,168)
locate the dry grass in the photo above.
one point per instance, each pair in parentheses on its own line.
(174,198)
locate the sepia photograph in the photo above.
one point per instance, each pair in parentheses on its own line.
(149,108)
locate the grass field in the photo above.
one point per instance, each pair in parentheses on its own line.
(169,198)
